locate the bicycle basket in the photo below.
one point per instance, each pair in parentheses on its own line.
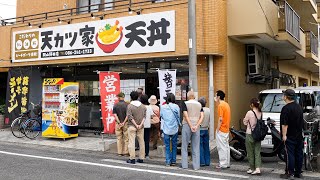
(37,109)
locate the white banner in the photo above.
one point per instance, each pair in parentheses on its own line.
(145,33)
(167,83)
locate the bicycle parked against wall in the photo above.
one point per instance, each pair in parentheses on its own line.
(16,125)
(32,126)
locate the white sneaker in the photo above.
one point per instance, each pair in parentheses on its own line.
(249,171)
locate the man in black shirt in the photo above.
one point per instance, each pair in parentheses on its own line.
(291,121)
(120,113)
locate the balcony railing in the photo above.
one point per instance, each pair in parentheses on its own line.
(311,43)
(117,5)
(289,20)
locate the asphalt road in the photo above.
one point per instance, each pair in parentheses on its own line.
(43,162)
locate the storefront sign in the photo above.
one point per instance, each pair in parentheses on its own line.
(17,92)
(109,88)
(167,83)
(125,35)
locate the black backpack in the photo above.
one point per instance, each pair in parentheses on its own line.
(261,129)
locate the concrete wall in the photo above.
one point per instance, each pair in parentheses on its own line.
(240,93)
(247,17)
(297,72)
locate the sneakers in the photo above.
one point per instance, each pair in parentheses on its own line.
(256,172)
(249,171)
(173,164)
(131,161)
(286,176)
(147,157)
(140,161)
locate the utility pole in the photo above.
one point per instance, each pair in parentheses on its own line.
(193,80)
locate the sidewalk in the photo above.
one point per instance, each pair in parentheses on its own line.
(81,143)
(105,143)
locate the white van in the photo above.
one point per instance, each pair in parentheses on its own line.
(272,104)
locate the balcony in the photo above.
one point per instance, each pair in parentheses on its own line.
(311,45)
(307,10)
(275,26)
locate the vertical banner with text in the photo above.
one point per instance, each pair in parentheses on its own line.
(167,83)
(17,92)
(109,88)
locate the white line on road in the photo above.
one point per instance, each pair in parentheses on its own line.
(176,168)
(110,166)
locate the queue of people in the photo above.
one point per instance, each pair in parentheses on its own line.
(142,119)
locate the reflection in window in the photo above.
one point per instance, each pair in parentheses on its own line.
(128,68)
(89,88)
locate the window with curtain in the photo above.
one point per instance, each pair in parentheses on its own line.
(109,5)
(94,5)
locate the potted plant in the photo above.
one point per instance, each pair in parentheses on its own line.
(2,112)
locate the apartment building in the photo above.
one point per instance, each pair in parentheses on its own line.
(271,44)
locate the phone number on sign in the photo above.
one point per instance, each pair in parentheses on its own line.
(78,52)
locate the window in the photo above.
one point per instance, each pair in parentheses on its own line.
(94,5)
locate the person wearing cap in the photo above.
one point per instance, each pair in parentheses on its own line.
(291,124)
(204,134)
(155,121)
(120,113)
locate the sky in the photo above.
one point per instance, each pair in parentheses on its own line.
(8,8)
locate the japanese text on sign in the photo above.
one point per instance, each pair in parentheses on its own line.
(149,33)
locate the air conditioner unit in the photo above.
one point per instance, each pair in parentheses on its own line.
(258,60)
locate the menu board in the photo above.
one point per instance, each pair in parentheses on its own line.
(60,108)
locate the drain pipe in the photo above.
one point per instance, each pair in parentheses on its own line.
(211,98)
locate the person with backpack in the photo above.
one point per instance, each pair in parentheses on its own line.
(155,121)
(253,147)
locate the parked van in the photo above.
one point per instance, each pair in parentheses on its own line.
(272,105)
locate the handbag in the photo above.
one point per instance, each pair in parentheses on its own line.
(178,120)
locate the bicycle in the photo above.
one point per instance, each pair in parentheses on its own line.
(16,125)
(32,126)
(307,146)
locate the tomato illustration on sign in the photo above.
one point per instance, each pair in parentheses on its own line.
(109,37)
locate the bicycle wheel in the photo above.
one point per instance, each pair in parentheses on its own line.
(32,128)
(16,127)
(306,160)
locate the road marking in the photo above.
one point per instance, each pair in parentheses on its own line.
(110,166)
(176,168)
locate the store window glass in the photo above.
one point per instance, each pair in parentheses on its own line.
(153,66)
(89,88)
(138,68)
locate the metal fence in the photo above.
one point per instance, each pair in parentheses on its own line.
(116,6)
(311,43)
(289,20)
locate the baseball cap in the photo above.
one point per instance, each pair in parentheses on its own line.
(289,92)
(121,94)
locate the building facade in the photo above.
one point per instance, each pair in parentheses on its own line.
(55,22)
(248,46)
